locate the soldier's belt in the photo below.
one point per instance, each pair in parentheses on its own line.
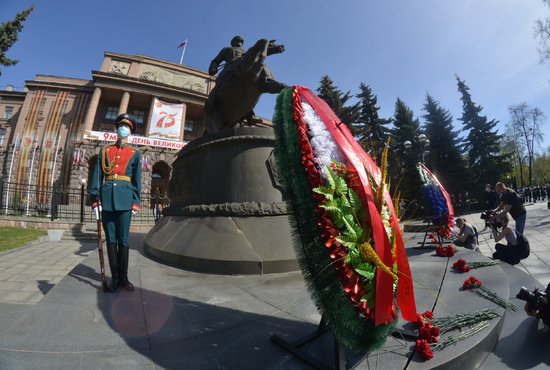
(119,178)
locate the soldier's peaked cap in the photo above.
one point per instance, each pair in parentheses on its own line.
(127,119)
(237,38)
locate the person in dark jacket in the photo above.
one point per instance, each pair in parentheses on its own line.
(511,203)
(490,197)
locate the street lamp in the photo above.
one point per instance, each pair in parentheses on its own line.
(424,144)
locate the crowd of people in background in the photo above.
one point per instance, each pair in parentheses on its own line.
(533,194)
(461,202)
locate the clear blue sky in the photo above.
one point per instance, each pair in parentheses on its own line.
(401,48)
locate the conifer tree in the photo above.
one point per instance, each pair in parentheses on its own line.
(404,177)
(336,100)
(8,36)
(370,129)
(482,144)
(445,159)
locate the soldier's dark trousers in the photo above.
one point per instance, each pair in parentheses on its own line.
(116,226)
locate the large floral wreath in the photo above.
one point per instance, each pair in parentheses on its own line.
(351,252)
(437,201)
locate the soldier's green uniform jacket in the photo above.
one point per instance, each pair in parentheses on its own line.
(116,181)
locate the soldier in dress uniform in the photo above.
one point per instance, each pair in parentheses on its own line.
(115,193)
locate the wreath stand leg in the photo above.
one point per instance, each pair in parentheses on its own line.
(296,348)
(424,242)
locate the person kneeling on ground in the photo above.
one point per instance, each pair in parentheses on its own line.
(466,235)
(510,252)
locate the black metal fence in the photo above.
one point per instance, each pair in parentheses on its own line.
(67,204)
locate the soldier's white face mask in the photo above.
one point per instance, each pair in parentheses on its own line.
(123,132)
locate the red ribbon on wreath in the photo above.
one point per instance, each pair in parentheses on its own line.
(363,163)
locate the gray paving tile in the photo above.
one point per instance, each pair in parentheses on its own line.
(177,317)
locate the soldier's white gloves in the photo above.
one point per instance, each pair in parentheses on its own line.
(134,212)
(97,211)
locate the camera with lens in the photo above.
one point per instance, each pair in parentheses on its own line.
(537,302)
(489,218)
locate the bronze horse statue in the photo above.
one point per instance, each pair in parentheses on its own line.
(239,86)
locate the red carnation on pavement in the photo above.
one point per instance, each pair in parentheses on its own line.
(471,283)
(429,333)
(424,319)
(447,251)
(428,315)
(461,265)
(424,348)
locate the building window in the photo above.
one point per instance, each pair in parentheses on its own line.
(189,125)
(140,116)
(2,135)
(111,113)
(8,113)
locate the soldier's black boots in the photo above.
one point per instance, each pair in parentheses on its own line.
(114,283)
(123,254)
(113,264)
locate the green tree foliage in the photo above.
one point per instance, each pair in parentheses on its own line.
(370,129)
(514,148)
(482,144)
(542,169)
(526,122)
(8,36)
(444,159)
(402,161)
(337,100)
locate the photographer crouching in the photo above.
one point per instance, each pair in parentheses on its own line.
(537,304)
(500,228)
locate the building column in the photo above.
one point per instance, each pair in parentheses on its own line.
(124,103)
(149,115)
(183,115)
(92,110)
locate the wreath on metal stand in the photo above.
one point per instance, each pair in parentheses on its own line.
(348,240)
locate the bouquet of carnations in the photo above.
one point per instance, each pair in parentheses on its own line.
(350,247)
(430,329)
(464,266)
(472,283)
(447,251)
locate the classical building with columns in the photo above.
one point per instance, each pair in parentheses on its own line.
(52,130)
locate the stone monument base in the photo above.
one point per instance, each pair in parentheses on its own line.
(227,214)
(223,245)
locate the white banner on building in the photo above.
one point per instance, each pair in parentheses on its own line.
(134,140)
(166,120)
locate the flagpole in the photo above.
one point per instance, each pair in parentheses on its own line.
(183,52)
(9,172)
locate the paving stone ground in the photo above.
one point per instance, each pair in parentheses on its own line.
(53,314)
(28,273)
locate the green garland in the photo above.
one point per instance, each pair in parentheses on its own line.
(348,326)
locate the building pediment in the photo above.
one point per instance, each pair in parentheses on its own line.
(173,78)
